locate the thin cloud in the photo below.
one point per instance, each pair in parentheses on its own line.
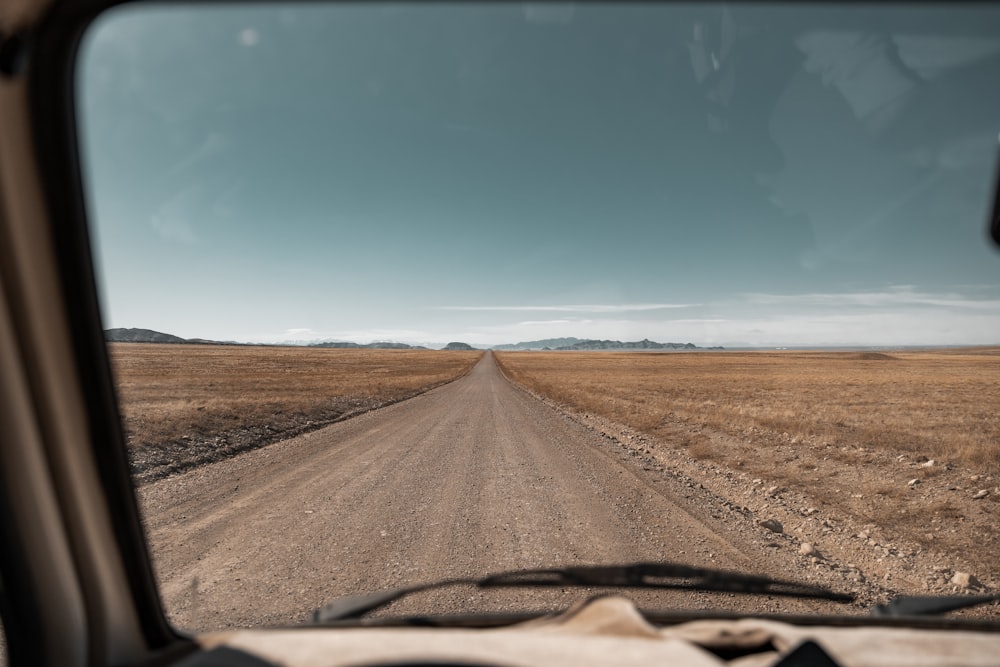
(536,323)
(299,331)
(699,320)
(887,328)
(382,335)
(580,308)
(882,299)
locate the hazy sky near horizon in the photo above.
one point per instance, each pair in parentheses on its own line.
(764,176)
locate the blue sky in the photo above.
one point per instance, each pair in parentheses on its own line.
(499,173)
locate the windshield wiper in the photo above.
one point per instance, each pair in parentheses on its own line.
(930,605)
(637,575)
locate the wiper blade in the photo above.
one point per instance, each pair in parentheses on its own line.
(932,605)
(672,576)
(356,606)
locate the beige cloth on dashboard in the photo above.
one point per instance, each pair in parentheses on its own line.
(611,631)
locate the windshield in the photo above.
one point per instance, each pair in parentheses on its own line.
(398,293)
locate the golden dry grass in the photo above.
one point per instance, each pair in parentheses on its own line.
(167,392)
(940,404)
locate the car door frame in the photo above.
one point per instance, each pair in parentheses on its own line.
(78,582)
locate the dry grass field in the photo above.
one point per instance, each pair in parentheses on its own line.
(943,405)
(902,444)
(182,399)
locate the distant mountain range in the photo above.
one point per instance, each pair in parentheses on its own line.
(150,336)
(644,344)
(590,344)
(544,344)
(373,346)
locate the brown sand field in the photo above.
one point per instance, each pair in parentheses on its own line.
(943,405)
(887,462)
(847,432)
(183,402)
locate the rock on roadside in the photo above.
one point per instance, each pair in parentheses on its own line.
(772,525)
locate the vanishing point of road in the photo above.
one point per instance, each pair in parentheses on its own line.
(471,478)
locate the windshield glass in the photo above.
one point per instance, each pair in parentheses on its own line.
(397,293)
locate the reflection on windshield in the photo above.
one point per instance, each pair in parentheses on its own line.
(387,190)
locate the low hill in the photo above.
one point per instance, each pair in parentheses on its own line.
(140,336)
(458,346)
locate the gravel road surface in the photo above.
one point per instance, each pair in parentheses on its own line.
(468,479)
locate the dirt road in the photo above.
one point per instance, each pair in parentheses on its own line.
(471,478)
